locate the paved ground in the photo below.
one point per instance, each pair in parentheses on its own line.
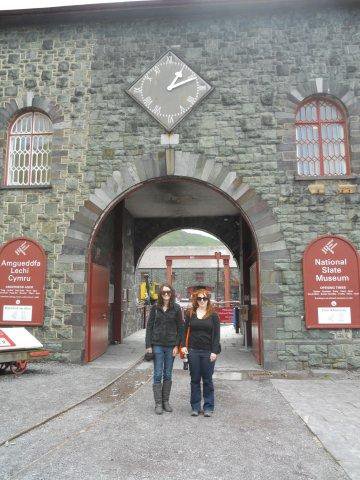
(50,387)
(259,429)
(331,409)
(254,435)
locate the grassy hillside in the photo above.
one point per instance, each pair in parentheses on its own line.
(181,238)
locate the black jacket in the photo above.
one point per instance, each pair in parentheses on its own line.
(215,346)
(164,328)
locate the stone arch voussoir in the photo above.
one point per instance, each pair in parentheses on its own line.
(325,86)
(340,92)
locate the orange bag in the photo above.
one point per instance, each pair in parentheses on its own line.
(181,355)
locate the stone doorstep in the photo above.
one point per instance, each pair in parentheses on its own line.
(310,374)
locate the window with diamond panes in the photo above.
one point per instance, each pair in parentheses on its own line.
(29,150)
(321,139)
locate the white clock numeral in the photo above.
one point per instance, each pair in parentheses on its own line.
(191,100)
(156,70)
(182,109)
(138,90)
(156,110)
(147,77)
(170,119)
(169,59)
(202,87)
(148,101)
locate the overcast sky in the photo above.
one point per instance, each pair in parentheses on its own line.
(25,4)
(198,232)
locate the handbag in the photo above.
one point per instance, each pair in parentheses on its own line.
(149,356)
(181,354)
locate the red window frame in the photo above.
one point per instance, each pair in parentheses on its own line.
(319,123)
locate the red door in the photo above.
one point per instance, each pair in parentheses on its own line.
(98,311)
(255,316)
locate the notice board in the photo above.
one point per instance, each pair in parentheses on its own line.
(331,283)
(22,283)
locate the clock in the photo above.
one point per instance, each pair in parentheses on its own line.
(169,90)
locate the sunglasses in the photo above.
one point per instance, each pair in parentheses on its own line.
(166,292)
(204,299)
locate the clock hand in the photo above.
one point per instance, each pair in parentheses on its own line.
(177,75)
(174,85)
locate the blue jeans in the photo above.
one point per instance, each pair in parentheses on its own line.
(201,369)
(163,363)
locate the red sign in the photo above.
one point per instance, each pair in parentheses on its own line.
(22,282)
(5,341)
(225,314)
(331,284)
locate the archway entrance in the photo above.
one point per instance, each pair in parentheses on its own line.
(256,215)
(131,223)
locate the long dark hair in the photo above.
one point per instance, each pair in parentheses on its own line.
(160,300)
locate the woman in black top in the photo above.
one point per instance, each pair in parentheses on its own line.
(163,335)
(204,346)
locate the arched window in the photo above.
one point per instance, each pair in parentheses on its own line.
(321,139)
(28,161)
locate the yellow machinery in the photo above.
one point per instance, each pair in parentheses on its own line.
(149,291)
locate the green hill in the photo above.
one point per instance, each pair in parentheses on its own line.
(181,238)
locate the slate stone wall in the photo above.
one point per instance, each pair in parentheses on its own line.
(261,64)
(130,315)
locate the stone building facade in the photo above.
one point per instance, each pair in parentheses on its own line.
(263,59)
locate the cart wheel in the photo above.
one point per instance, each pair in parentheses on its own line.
(18,367)
(3,367)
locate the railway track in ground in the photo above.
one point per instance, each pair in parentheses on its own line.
(116,392)
(65,425)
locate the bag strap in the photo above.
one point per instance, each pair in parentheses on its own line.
(187,337)
(186,342)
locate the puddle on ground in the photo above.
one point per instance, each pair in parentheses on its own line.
(123,387)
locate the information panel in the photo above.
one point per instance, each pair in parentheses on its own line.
(331,284)
(22,283)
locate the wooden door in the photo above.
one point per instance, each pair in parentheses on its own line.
(98,311)
(255,314)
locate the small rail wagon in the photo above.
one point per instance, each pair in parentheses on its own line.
(17,348)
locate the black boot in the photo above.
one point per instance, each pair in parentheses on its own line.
(157,389)
(166,395)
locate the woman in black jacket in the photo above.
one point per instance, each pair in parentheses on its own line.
(163,336)
(203,326)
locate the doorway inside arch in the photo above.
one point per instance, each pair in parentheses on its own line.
(190,260)
(115,308)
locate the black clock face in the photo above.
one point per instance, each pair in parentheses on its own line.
(169,90)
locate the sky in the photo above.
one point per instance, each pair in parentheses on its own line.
(25,4)
(198,232)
